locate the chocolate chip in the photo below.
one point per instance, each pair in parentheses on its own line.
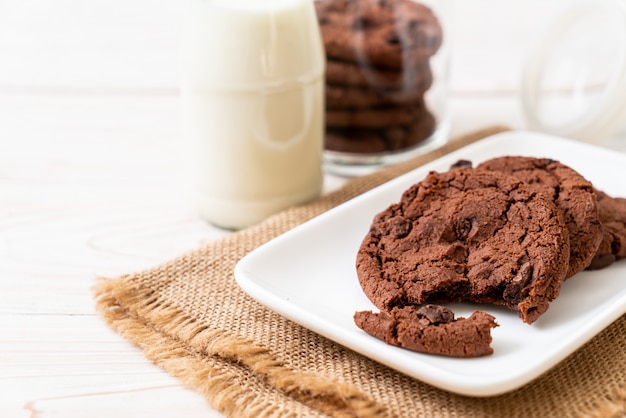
(436,314)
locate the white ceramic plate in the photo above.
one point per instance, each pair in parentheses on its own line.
(308,275)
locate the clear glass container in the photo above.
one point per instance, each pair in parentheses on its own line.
(386,81)
(574,81)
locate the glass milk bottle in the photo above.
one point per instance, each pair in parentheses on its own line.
(252,91)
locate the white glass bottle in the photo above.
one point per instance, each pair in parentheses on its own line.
(252,80)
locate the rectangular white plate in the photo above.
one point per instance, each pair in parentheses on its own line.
(308,275)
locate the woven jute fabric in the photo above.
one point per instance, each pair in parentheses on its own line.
(190,318)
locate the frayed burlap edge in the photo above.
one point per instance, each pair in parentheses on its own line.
(213,362)
(217,363)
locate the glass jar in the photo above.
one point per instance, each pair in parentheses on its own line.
(574,82)
(386,81)
(252,80)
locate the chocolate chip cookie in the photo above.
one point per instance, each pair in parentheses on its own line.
(571,192)
(377,140)
(466,234)
(613,219)
(376,117)
(342,73)
(340,97)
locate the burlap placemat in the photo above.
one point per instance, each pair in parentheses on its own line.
(190,318)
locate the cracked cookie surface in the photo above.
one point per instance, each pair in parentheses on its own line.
(466,234)
(571,193)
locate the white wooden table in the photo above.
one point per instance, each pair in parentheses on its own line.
(90,185)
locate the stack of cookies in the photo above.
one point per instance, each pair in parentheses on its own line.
(378,70)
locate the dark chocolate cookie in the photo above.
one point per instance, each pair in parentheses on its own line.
(376,117)
(386,139)
(383,33)
(466,234)
(613,219)
(358,140)
(571,192)
(411,77)
(431,329)
(341,97)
